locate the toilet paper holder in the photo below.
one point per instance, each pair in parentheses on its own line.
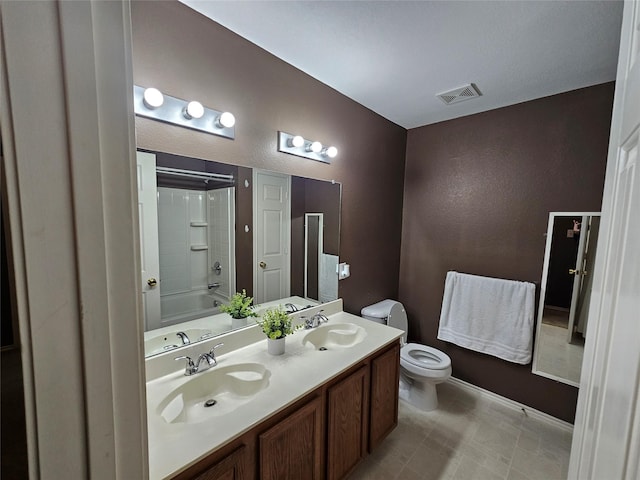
(343,270)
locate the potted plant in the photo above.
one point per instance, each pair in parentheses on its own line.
(276,325)
(240,307)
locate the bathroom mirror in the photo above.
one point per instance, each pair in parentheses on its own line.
(196,228)
(567,274)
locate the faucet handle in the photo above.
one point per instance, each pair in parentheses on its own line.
(308,322)
(190,368)
(212,353)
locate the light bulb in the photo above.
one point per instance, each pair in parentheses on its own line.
(330,152)
(193,110)
(226,120)
(296,141)
(153,98)
(315,147)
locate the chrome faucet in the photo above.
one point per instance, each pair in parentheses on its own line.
(209,359)
(290,307)
(316,320)
(184,338)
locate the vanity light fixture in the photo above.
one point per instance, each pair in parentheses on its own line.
(299,146)
(152,103)
(153,98)
(315,147)
(296,141)
(331,152)
(193,110)
(225,120)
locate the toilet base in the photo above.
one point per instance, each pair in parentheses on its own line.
(422,395)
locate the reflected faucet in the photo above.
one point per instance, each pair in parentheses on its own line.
(184,338)
(291,307)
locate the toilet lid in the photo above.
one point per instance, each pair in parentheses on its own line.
(425,357)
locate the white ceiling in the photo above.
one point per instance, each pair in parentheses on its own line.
(395,56)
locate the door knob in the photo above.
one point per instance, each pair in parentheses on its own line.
(573,271)
(152,282)
(263,265)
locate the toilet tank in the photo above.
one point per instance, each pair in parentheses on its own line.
(388,312)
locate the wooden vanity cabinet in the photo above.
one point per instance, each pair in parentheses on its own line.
(385,377)
(347,415)
(231,467)
(323,435)
(292,449)
(231,462)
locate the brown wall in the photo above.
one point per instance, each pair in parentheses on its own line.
(188,56)
(478,191)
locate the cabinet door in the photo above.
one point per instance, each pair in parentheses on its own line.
(292,449)
(347,417)
(230,467)
(385,371)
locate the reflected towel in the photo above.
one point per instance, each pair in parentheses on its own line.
(488,315)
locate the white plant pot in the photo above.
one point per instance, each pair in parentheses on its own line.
(275,347)
(238,323)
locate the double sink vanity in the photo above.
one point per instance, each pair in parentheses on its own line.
(311,413)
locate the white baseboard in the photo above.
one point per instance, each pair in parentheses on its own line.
(531,412)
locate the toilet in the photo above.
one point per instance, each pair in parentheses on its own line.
(421,367)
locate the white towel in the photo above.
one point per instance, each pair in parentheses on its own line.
(488,315)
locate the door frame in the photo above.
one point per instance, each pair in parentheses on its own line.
(606,439)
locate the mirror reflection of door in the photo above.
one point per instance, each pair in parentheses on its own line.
(272,235)
(565,295)
(148,218)
(573,248)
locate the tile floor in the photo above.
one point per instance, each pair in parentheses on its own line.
(469,437)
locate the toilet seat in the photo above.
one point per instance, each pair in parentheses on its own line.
(422,356)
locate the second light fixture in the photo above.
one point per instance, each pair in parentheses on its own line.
(301,147)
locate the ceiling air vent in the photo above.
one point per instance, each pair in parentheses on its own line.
(459,94)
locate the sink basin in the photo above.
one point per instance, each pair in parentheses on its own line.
(214,392)
(332,336)
(169,341)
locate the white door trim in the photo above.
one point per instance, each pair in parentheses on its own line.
(606,441)
(70,190)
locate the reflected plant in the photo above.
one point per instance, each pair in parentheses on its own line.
(240,306)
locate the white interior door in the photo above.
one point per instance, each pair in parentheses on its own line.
(606,442)
(272,235)
(578,274)
(148,215)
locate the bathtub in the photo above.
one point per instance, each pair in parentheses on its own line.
(182,307)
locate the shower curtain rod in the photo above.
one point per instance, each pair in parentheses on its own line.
(206,176)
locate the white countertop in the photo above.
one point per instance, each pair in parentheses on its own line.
(175,447)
